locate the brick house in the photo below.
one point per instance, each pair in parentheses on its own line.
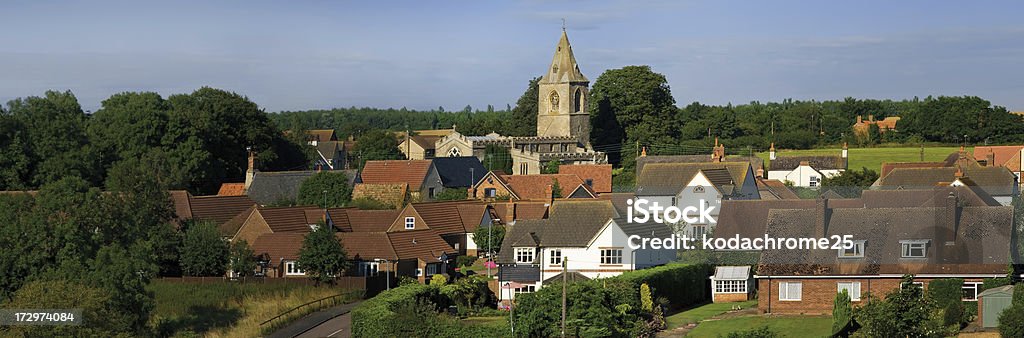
(454,221)
(537,187)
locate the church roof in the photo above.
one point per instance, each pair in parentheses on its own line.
(563,65)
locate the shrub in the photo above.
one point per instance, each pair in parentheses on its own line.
(842,314)
(762,332)
(995,282)
(465,260)
(203,251)
(1011,321)
(946,294)
(377,316)
(438,280)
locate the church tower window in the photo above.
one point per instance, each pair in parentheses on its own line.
(578,102)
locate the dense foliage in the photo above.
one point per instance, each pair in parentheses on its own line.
(1011,320)
(850,183)
(905,312)
(947,295)
(842,314)
(327,189)
(488,239)
(322,257)
(242,259)
(204,252)
(411,310)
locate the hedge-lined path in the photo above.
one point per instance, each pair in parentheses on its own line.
(317,323)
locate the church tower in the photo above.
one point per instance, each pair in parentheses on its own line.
(562,105)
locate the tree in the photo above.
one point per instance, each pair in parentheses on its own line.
(15,161)
(523,121)
(1011,321)
(203,251)
(128,125)
(551,167)
(556,189)
(489,238)
(327,189)
(55,134)
(376,145)
(102,318)
(243,260)
(850,183)
(905,312)
(632,104)
(322,256)
(842,314)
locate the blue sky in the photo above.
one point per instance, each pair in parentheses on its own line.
(300,55)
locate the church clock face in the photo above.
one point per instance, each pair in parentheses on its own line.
(554,101)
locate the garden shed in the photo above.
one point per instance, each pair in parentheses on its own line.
(992,302)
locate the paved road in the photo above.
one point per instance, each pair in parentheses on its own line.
(320,324)
(340,326)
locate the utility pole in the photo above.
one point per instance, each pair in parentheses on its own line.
(408,142)
(564,279)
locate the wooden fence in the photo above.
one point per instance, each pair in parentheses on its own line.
(364,283)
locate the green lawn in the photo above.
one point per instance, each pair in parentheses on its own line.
(872,158)
(703,312)
(787,326)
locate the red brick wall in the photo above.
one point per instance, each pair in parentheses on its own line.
(818,294)
(730,297)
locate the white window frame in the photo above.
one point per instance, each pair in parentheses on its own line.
(410,223)
(907,248)
(917,284)
(419,272)
(858,250)
(369,268)
(971,285)
(524,255)
(703,229)
(813,182)
(490,192)
(786,291)
(730,286)
(432,269)
(555,256)
(611,256)
(852,289)
(291,268)
(529,288)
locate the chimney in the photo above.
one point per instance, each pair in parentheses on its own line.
(643,153)
(959,172)
(250,172)
(771,152)
(860,119)
(871,118)
(821,216)
(510,212)
(945,227)
(550,193)
(760,173)
(990,158)
(845,155)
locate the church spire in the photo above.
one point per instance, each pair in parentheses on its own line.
(563,66)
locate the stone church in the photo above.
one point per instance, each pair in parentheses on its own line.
(563,123)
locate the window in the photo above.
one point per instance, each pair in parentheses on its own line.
(730,286)
(419,272)
(292,269)
(454,152)
(857,251)
(611,256)
(814,181)
(698,189)
(490,192)
(524,255)
(970,291)
(673,200)
(368,268)
(410,223)
(914,249)
(699,230)
(556,256)
(790,291)
(852,289)
(525,289)
(578,103)
(430,192)
(919,285)
(432,269)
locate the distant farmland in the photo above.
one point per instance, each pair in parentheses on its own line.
(872,158)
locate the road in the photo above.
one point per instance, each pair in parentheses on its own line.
(340,326)
(332,322)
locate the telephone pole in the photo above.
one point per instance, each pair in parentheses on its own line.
(564,279)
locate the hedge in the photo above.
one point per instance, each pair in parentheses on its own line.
(375,316)
(682,284)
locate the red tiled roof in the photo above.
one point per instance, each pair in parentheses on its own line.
(279,245)
(219,209)
(600,174)
(367,246)
(534,187)
(287,219)
(1003,154)
(413,172)
(426,245)
(231,189)
(472,215)
(371,220)
(445,217)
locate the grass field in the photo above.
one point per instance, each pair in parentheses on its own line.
(872,158)
(786,326)
(227,309)
(697,314)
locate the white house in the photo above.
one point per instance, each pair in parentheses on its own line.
(693,184)
(805,171)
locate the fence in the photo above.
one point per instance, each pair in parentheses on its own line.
(309,307)
(340,282)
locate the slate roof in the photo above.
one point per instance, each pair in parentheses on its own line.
(755,162)
(392,194)
(412,172)
(787,163)
(272,187)
(455,171)
(599,174)
(662,179)
(981,245)
(570,224)
(367,246)
(571,277)
(426,245)
(774,189)
(329,149)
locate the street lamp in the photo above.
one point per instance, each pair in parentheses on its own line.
(387,275)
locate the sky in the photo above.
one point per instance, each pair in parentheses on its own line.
(299,55)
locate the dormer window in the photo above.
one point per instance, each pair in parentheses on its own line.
(914,249)
(524,255)
(410,223)
(857,251)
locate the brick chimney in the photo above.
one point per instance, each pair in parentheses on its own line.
(250,172)
(990,158)
(510,212)
(550,193)
(718,152)
(946,223)
(821,215)
(760,173)
(643,153)
(771,152)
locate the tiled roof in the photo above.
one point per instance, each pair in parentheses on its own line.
(455,171)
(218,209)
(786,163)
(279,245)
(599,174)
(329,149)
(322,135)
(182,209)
(231,189)
(412,172)
(523,210)
(996,181)
(572,276)
(570,224)
(290,219)
(670,178)
(887,167)
(534,187)
(426,245)
(367,246)
(371,220)
(755,162)
(392,194)
(775,189)
(230,228)
(446,217)
(273,187)
(1003,154)
(981,244)
(618,200)
(472,215)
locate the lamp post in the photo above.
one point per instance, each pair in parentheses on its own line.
(387,274)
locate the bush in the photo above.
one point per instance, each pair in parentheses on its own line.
(461,261)
(995,282)
(946,294)
(377,316)
(842,315)
(1011,321)
(203,251)
(762,332)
